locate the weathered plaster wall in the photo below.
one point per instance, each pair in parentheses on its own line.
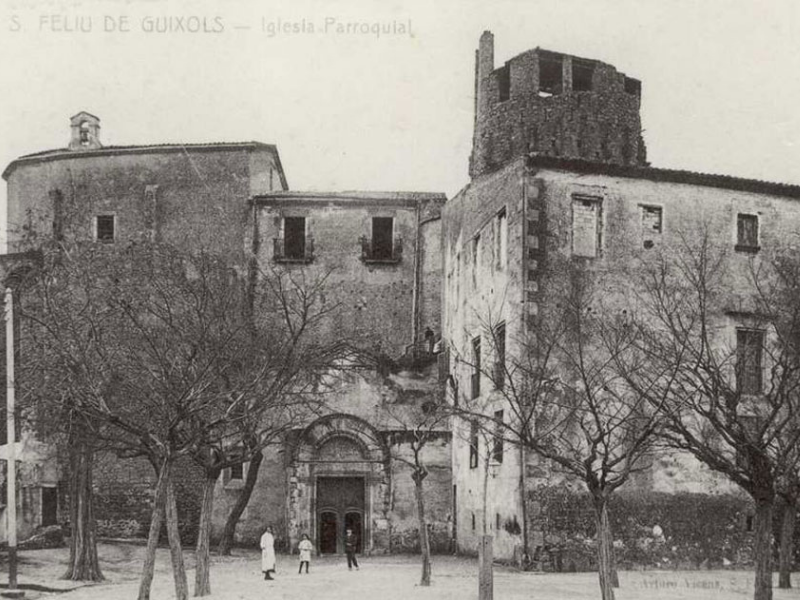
(201,199)
(375,299)
(482,289)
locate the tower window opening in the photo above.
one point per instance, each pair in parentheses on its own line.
(504,83)
(551,74)
(582,73)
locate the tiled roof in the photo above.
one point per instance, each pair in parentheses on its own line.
(351,195)
(669,175)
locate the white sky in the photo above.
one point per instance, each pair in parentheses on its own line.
(721,80)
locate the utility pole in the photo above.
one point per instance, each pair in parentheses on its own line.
(11,454)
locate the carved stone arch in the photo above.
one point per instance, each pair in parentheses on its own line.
(356,429)
(343,455)
(341,446)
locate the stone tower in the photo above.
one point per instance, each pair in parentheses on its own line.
(553,104)
(85,134)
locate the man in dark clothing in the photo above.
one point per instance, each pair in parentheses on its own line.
(350,544)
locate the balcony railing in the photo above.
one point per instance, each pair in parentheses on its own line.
(299,253)
(372,253)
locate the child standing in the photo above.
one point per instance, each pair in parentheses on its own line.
(305,547)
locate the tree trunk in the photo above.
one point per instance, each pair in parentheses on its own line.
(485,498)
(605,547)
(762,547)
(202,579)
(787,545)
(241,503)
(83,562)
(424,541)
(156,521)
(175,550)
(523,506)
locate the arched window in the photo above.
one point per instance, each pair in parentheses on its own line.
(84,129)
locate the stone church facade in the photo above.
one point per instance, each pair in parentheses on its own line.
(379,253)
(558,169)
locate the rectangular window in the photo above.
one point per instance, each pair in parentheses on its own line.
(746,232)
(476,367)
(501,239)
(497,445)
(382,236)
(500,352)
(749,367)
(237,471)
(473,521)
(476,257)
(497,521)
(473,445)
(58,215)
(652,225)
(587,214)
(104,228)
(294,237)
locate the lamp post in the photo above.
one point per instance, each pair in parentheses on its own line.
(11,454)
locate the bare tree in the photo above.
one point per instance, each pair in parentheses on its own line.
(265,389)
(789,493)
(559,382)
(160,347)
(415,427)
(717,356)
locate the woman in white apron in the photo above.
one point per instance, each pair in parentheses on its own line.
(268,553)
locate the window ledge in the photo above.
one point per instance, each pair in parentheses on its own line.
(381,261)
(304,260)
(746,248)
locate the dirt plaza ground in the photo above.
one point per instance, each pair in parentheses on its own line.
(383,578)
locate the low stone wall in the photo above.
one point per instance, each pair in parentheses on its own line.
(651,530)
(123,502)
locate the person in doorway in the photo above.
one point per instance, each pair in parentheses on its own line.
(268,553)
(305,547)
(350,545)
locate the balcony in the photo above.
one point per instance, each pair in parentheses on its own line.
(297,252)
(373,253)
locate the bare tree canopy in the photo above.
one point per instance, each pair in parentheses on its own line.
(167,354)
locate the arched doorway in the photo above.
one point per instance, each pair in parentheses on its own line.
(339,479)
(328,532)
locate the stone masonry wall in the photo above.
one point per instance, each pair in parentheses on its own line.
(194,198)
(516,116)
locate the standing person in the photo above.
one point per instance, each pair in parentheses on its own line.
(268,553)
(305,547)
(350,544)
